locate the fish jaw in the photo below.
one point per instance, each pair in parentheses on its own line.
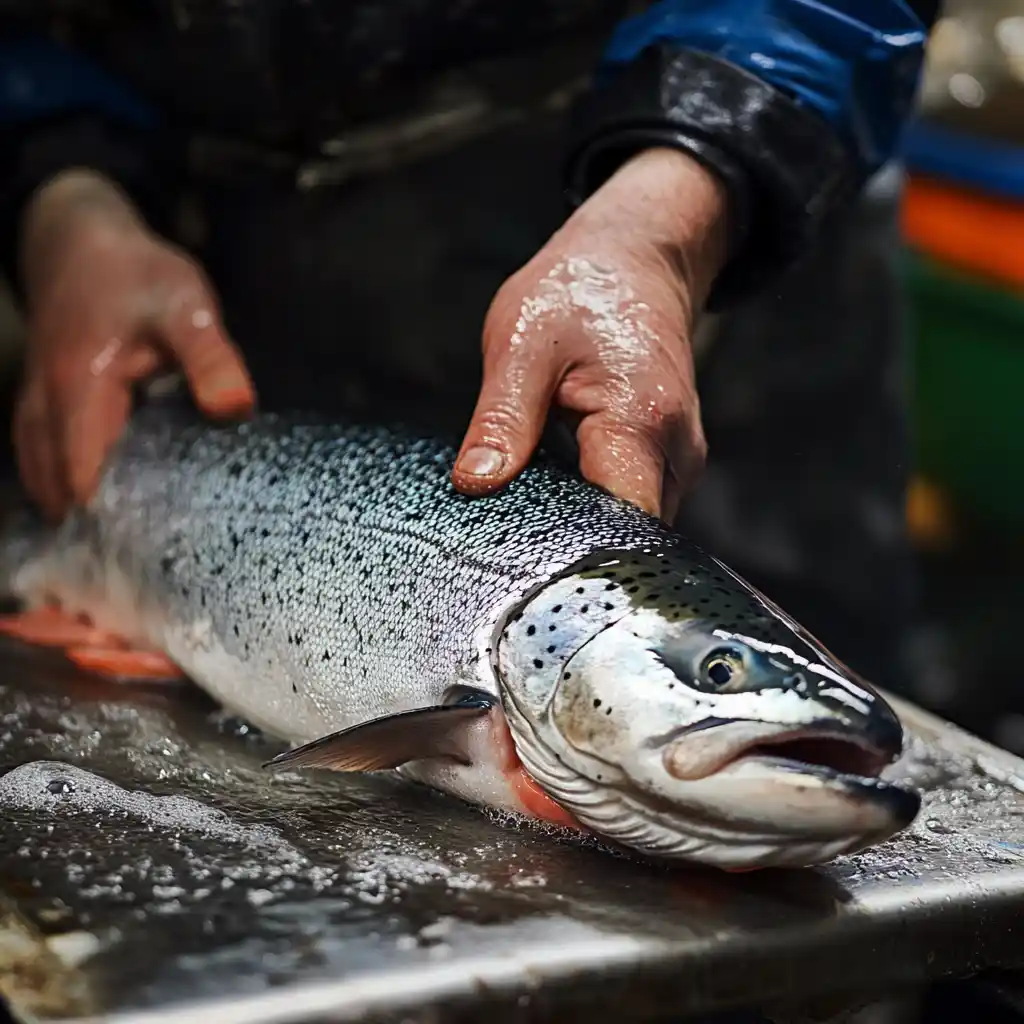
(776,767)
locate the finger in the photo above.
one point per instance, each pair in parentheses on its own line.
(193,333)
(518,385)
(671,495)
(686,450)
(623,458)
(92,422)
(36,454)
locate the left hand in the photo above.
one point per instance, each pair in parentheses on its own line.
(599,323)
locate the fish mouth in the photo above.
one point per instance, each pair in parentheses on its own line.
(826,753)
(845,765)
(710,746)
(789,799)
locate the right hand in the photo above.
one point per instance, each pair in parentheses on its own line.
(109,304)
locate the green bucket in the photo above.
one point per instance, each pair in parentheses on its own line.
(969,389)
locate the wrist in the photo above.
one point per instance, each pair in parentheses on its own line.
(665,199)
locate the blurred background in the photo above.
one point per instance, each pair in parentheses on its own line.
(963,232)
(963,256)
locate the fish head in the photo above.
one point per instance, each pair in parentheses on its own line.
(672,708)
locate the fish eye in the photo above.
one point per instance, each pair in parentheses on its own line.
(723,666)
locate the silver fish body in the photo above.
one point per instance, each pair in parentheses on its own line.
(315,577)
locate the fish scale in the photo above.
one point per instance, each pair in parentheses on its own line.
(338,558)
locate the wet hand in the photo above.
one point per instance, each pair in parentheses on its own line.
(598,324)
(109,304)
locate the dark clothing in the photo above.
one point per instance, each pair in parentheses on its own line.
(793,103)
(368,173)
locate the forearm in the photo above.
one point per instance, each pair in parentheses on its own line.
(792,104)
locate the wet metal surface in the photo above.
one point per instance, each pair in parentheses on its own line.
(150,871)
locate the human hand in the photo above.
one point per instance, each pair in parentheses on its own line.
(599,324)
(109,304)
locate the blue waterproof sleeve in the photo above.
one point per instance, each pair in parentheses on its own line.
(856,63)
(40,79)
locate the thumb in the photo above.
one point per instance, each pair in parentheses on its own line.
(509,418)
(195,336)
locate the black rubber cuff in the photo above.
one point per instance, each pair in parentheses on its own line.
(33,154)
(784,168)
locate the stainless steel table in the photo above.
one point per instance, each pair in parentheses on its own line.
(151,872)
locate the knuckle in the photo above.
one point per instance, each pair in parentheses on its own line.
(502,418)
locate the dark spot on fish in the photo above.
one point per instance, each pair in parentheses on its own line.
(537,663)
(579,590)
(608,606)
(646,575)
(597,703)
(568,675)
(551,628)
(609,711)
(551,649)
(585,609)
(295,687)
(632,590)
(628,579)
(557,608)
(530,630)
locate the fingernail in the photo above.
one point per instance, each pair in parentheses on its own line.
(228,400)
(481,461)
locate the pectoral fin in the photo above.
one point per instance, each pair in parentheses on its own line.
(390,741)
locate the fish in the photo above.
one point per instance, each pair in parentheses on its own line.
(549,651)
